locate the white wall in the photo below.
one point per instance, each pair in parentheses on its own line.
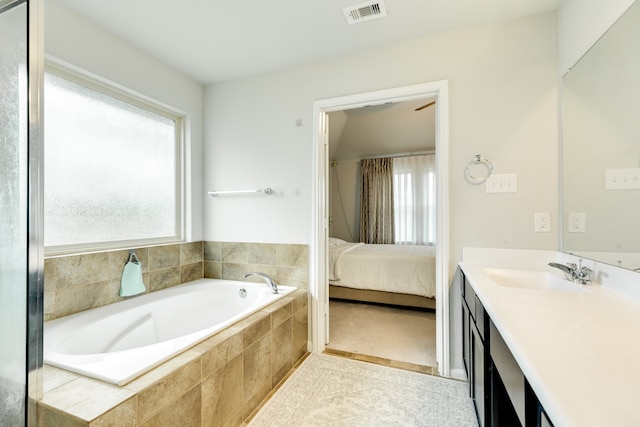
(344,204)
(503,105)
(74,40)
(581,23)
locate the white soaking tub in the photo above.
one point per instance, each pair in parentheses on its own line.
(118,342)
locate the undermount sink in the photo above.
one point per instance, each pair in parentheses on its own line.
(530,279)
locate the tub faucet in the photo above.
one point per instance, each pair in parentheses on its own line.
(270,282)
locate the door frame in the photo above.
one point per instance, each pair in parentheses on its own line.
(318,251)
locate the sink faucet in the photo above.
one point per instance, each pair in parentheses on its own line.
(270,282)
(568,269)
(584,275)
(574,272)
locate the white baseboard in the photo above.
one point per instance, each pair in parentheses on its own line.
(458,374)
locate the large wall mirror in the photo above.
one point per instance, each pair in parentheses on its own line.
(601,148)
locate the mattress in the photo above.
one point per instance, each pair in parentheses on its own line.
(408,269)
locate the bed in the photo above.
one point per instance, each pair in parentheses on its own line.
(388,274)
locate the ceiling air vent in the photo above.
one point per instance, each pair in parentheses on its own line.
(365,12)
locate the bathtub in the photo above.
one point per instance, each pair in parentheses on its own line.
(120,341)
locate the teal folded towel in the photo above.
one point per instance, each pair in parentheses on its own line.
(132,283)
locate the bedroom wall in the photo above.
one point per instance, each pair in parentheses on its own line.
(365,132)
(503,105)
(346,173)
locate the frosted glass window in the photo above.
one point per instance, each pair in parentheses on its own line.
(112,168)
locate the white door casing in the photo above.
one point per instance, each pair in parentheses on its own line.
(318,271)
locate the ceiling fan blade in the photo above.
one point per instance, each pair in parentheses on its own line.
(425,106)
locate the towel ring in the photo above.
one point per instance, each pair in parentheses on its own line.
(478,179)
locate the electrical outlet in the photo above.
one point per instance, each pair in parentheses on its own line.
(577,222)
(542,222)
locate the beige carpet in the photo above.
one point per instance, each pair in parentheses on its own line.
(382,331)
(331,391)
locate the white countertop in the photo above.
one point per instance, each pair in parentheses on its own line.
(580,351)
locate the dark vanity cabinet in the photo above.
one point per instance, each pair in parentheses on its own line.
(499,390)
(475,352)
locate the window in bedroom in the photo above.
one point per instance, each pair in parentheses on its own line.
(113,167)
(414,200)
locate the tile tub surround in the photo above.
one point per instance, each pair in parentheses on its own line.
(219,382)
(75,283)
(285,263)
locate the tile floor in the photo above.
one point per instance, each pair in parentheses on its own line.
(331,391)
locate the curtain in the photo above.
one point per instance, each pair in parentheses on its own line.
(376,201)
(414,195)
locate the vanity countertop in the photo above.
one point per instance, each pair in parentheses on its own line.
(578,348)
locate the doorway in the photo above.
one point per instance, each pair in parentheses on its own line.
(318,284)
(377,327)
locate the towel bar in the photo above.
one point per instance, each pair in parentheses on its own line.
(261,190)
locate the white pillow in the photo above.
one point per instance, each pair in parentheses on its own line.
(334,241)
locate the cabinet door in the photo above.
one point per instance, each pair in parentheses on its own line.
(479,316)
(469,297)
(478,377)
(466,339)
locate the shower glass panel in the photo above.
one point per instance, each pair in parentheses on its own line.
(13,212)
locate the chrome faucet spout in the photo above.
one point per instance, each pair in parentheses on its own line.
(568,269)
(573,272)
(270,282)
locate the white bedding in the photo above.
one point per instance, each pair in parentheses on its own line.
(403,269)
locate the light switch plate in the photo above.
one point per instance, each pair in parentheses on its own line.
(577,222)
(502,183)
(622,179)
